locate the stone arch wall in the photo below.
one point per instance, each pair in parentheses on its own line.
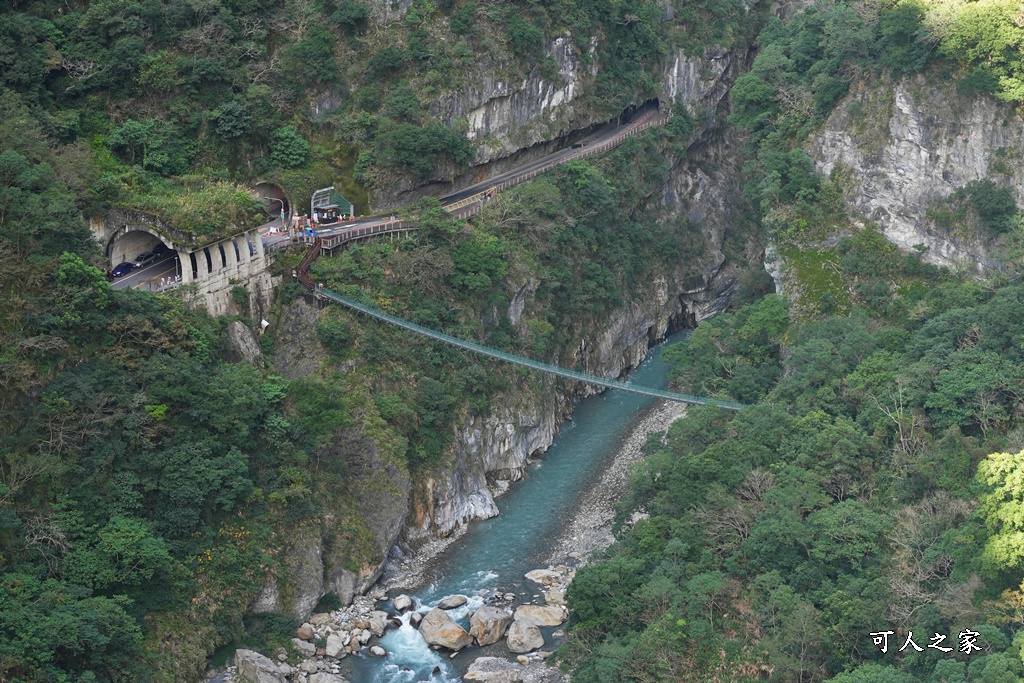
(263,188)
(131,240)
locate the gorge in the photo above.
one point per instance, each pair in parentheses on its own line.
(830,212)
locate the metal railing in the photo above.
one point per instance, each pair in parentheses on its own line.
(320,292)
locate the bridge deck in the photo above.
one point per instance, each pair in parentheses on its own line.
(334,297)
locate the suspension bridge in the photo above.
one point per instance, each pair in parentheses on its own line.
(464,204)
(324,294)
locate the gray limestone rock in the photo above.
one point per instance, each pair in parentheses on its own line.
(437,628)
(242,345)
(378,623)
(256,668)
(452,601)
(488,624)
(524,636)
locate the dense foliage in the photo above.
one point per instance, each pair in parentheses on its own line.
(142,476)
(579,239)
(843,503)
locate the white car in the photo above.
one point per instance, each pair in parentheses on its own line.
(144,259)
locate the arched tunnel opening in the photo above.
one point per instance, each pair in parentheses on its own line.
(636,110)
(274,199)
(138,257)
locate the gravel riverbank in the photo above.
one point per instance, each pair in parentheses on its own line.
(590,529)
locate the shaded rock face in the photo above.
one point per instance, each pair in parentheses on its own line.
(906,145)
(437,628)
(505,114)
(243,345)
(256,668)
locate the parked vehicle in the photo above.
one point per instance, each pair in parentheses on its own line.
(122,269)
(143,260)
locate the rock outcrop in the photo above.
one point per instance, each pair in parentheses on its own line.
(901,147)
(243,345)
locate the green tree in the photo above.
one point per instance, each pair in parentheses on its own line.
(1002,508)
(288,149)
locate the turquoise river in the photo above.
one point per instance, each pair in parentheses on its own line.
(494,554)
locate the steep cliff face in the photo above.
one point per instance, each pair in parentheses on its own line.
(505,114)
(494,450)
(903,146)
(512,118)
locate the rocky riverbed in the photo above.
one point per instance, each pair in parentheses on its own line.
(326,639)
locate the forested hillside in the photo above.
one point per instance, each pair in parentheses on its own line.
(151,485)
(874,485)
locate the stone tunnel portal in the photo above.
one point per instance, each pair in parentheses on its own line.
(131,242)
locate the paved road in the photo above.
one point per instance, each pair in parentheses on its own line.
(166,267)
(602,135)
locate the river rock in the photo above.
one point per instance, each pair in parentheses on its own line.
(555,596)
(403,603)
(335,644)
(523,659)
(320,619)
(378,651)
(541,615)
(364,636)
(524,636)
(415,619)
(488,624)
(324,677)
(437,628)
(305,649)
(543,576)
(305,632)
(378,622)
(256,668)
(452,601)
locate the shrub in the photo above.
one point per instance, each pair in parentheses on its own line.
(288,149)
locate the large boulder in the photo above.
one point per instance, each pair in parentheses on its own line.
(437,628)
(403,603)
(256,668)
(541,615)
(452,601)
(488,624)
(524,636)
(335,645)
(304,648)
(378,622)
(543,576)
(306,632)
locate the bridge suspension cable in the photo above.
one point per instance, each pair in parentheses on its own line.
(327,295)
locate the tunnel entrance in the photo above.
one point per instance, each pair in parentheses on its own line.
(151,256)
(273,197)
(635,110)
